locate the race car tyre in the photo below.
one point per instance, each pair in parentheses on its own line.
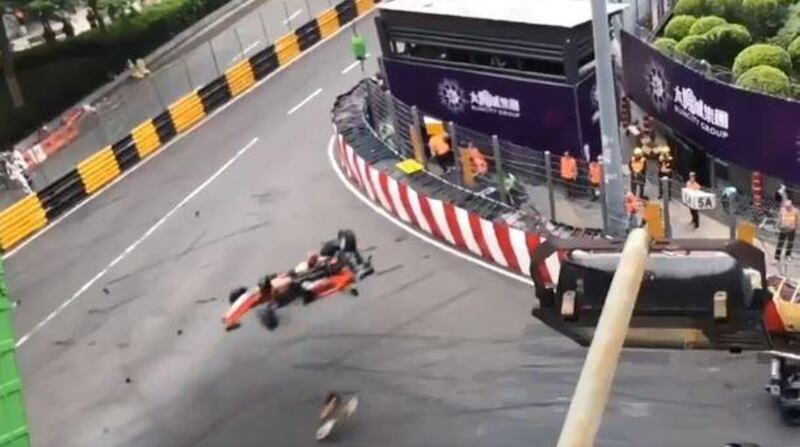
(348,240)
(329,249)
(269,319)
(236,293)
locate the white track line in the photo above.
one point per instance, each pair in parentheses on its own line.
(420,235)
(86,201)
(136,243)
(352,66)
(294,14)
(304,102)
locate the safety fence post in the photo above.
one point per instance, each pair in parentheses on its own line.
(392,118)
(263,27)
(498,169)
(548,166)
(667,192)
(13,425)
(239,41)
(451,130)
(732,209)
(416,137)
(712,173)
(214,57)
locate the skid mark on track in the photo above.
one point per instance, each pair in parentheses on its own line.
(389,270)
(191,249)
(108,309)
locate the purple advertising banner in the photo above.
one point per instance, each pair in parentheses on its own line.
(755,131)
(531,113)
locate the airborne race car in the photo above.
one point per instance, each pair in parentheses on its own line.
(337,267)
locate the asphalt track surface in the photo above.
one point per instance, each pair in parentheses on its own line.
(441,352)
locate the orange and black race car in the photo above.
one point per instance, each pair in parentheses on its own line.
(335,268)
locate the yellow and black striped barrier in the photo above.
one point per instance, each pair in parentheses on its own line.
(30,214)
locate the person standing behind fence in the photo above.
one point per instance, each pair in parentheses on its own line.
(441,151)
(692,184)
(595,177)
(632,209)
(477,160)
(569,172)
(787,225)
(638,167)
(665,164)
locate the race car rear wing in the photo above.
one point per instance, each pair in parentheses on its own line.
(698,294)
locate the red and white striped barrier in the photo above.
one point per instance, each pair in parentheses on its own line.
(497,243)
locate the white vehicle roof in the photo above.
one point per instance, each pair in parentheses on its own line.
(560,13)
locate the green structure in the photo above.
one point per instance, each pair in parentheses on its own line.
(13,426)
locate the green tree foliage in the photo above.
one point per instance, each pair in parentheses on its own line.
(726,42)
(706,24)
(794,52)
(730,10)
(790,29)
(694,46)
(679,26)
(763,17)
(665,44)
(762,54)
(692,7)
(765,79)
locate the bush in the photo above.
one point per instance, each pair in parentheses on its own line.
(726,42)
(694,46)
(762,54)
(730,10)
(794,52)
(691,7)
(706,24)
(679,26)
(665,44)
(765,79)
(763,17)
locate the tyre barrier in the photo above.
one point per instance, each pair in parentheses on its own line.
(493,241)
(32,213)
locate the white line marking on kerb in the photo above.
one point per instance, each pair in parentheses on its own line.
(137,242)
(414,232)
(352,66)
(294,14)
(303,102)
(164,148)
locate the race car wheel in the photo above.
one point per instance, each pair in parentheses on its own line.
(236,293)
(269,319)
(348,240)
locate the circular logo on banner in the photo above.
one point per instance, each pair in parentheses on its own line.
(452,96)
(657,86)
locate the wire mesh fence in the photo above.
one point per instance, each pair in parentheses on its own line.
(528,178)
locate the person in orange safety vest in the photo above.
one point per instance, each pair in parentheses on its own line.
(638,167)
(787,225)
(477,160)
(595,177)
(441,151)
(569,172)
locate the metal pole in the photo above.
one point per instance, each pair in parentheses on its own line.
(548,166)
(732,210)
(603,209)
(239,40)
(498,169)
(597,377)
(214,57)
(712,173)
(308,10)
(392,119)
(665,185)
(451,129)
(608,120)
(158,92)
(418,127)
(188,74)
(263,27)
(288,21)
